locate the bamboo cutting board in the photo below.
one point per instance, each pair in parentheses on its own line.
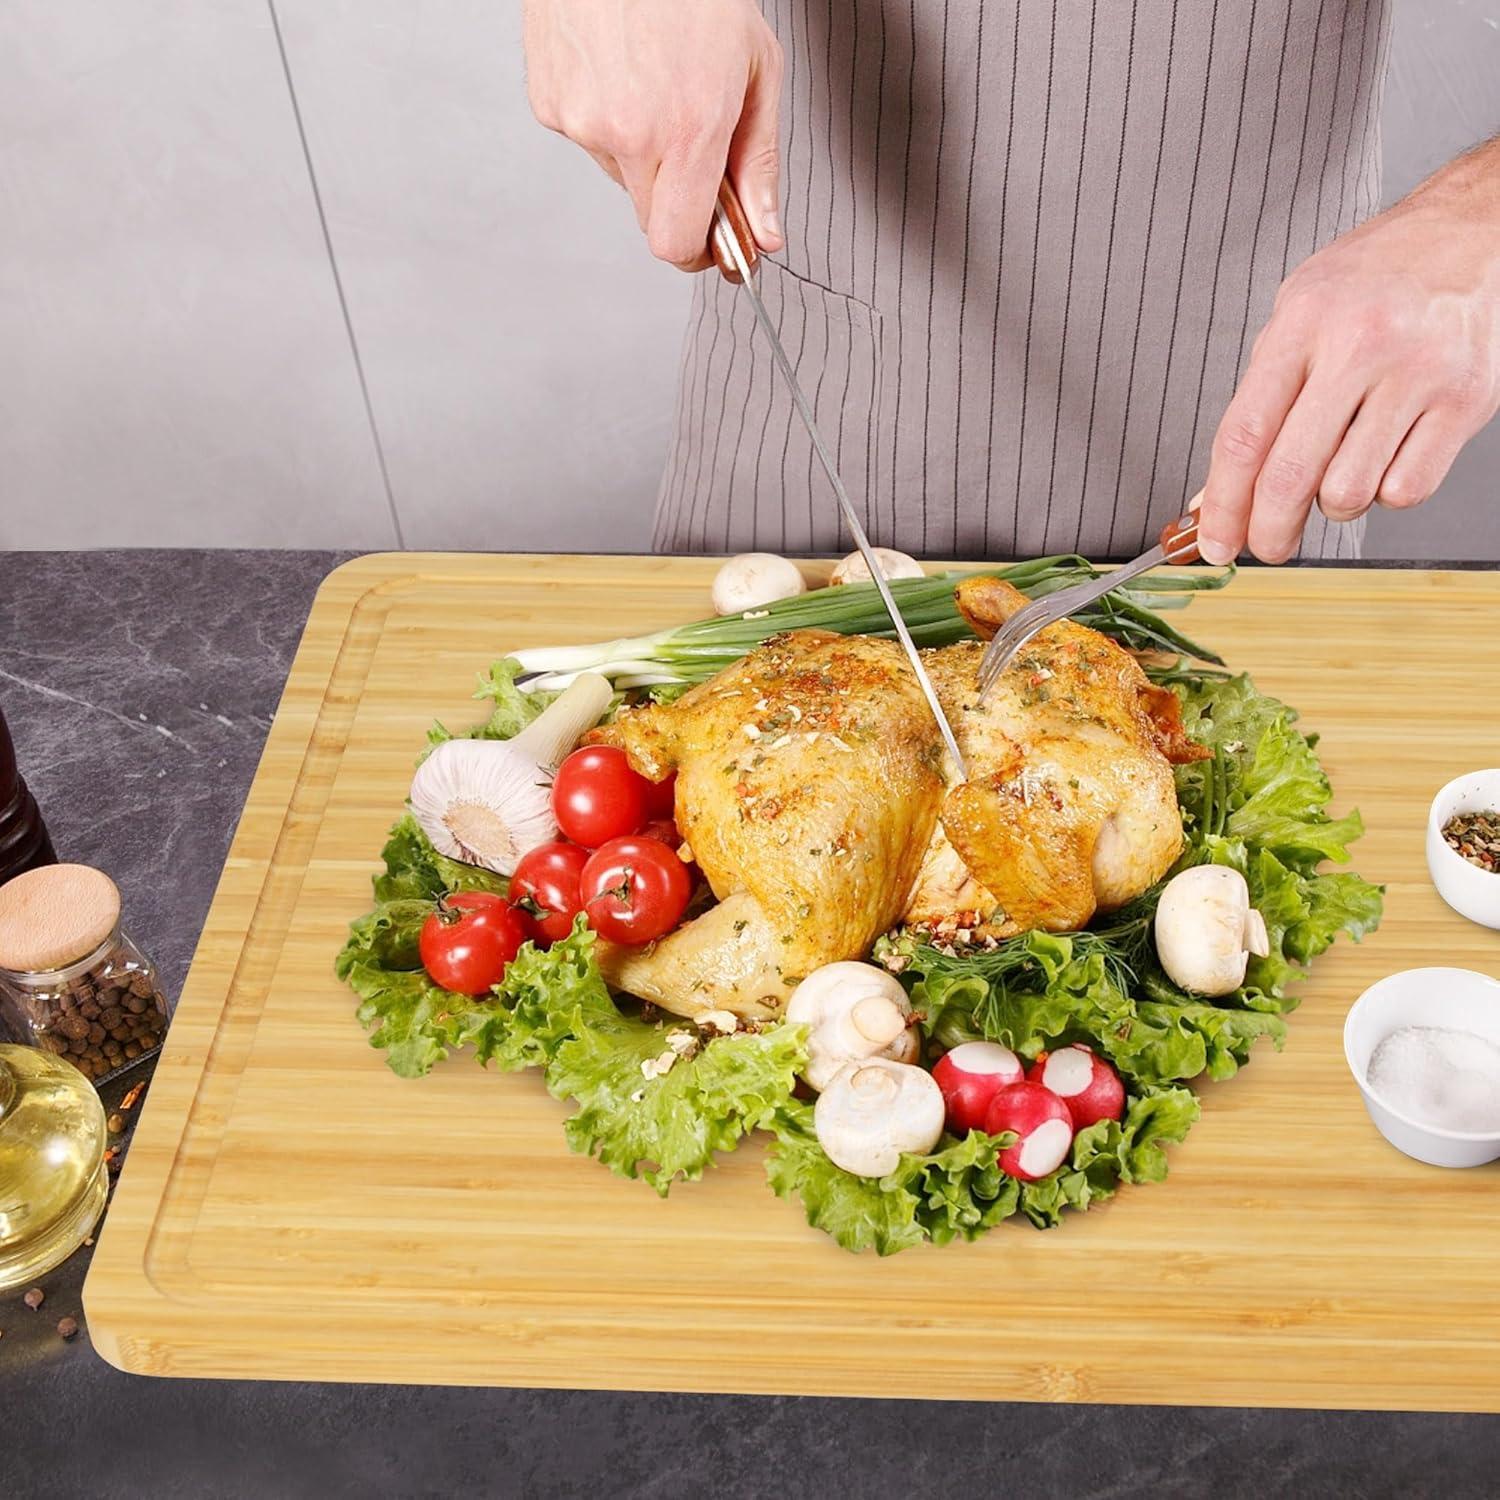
(291,1209)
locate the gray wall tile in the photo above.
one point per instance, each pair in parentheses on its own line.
(520,346)
(519,342)
(173,364)
(1442,96)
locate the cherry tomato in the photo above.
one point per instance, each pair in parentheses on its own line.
(596,796)
(468,942)
(635,890)
(545,886)
(664,831)
(661,800)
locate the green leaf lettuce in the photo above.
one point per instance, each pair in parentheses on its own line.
(959,1192)
(511,710)
(669,1127)
(415,870)
(656,1099)
(408,1016)
(554,1011)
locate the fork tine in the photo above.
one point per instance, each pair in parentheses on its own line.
(991,664)
(1178,544)
(999,656)
(1016,631)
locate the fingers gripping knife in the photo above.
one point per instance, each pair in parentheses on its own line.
(735,253)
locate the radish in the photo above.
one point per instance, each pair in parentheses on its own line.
(1042,1125)
(970,1076)
(1083,1081)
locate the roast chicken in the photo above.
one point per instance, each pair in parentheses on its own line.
(813,791)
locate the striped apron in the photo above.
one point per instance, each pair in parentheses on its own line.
(1029,246)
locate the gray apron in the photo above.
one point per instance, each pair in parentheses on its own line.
(1029,246)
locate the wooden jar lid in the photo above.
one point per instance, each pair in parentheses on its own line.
(53,916)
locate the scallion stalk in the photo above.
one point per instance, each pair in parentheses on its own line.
(692,653)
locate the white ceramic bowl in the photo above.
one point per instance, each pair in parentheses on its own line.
(1455,998)
(1470,891)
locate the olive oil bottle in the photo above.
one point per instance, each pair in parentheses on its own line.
(52,1176)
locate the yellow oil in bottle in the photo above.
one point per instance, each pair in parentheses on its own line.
(52,1176)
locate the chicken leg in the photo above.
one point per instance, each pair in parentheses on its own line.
(808,787)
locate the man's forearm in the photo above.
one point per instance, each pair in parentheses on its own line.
(1380,360)
(1470,181)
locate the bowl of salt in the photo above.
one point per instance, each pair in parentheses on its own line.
(1424,1048)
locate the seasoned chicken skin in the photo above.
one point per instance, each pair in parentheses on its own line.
(1070,806)
(810,788)
(808,785)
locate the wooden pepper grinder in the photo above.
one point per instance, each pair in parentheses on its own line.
(24,842)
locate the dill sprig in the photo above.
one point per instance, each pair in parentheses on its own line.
(1121,940)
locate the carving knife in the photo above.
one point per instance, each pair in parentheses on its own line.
(736,255)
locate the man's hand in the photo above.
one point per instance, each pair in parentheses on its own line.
(1380,361)
(664,95)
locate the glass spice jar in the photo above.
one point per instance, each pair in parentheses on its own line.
(71,981)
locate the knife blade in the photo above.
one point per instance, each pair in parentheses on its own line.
(735,254)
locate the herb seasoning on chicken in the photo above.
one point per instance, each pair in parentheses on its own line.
(1070,806)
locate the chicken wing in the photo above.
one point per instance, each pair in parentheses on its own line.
(1070,806)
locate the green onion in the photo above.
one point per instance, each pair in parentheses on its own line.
(693,653)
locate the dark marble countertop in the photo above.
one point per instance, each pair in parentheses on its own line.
(139,687)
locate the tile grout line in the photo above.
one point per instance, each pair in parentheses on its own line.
(338,282)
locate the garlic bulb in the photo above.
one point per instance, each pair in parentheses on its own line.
(854,568)
(486,802)
(855,1011)
(1206,930)
(754,579)
(479,807)
(873,1112)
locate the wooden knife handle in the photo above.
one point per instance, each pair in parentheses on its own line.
(1179,539)
(739,225)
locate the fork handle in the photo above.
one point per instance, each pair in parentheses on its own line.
(1179,539)
(731,220)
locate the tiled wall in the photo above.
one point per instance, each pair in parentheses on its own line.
(306,273)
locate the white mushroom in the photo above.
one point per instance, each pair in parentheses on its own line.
(855,1011)
(486,802)
(907,1047)
(1206,930)
(874,1111)
(854,568)
(754,579)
